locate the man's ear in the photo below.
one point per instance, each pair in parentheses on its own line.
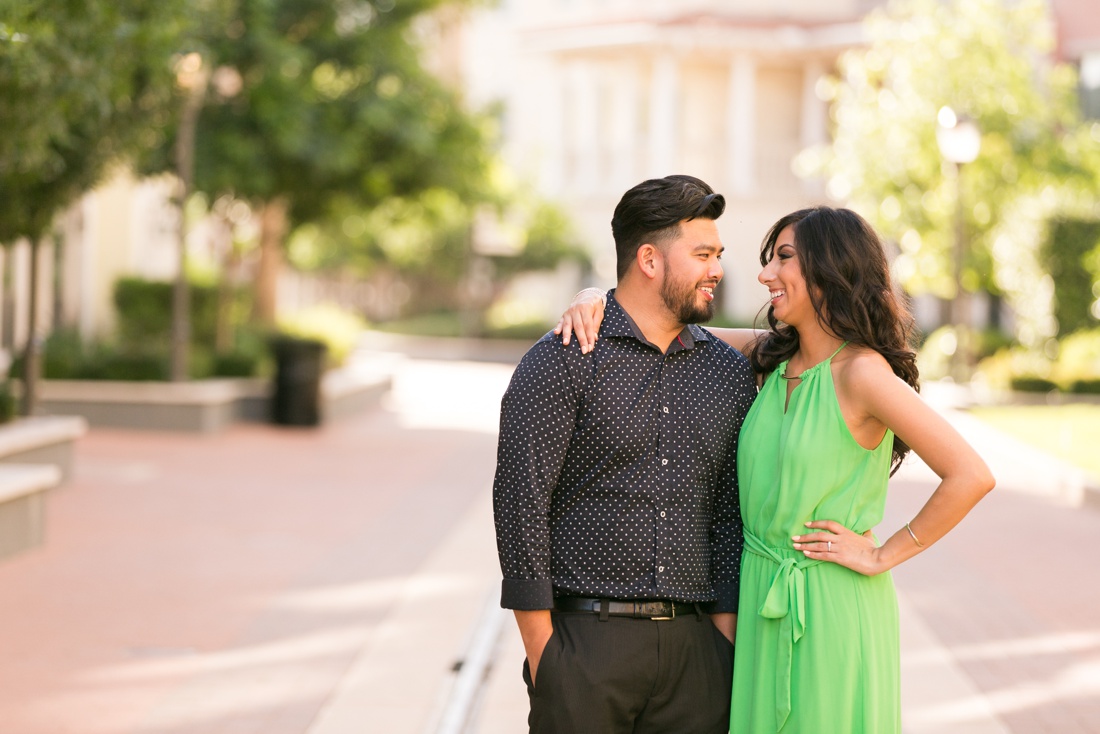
(649,260)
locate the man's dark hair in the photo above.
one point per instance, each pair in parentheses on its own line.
(651,212)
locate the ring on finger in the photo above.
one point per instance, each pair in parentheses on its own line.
(830,546)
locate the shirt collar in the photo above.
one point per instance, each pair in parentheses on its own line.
(617,322)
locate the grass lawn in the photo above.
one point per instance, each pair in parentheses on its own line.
(1071,432)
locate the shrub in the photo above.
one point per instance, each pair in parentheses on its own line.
(338,329)
(1003,367)
(62,356)
(7,402)
(236,364)
(134,367)
(1085,387)
(1032,383)
(525,330)
(1078,357)
(1067,253)
(437,323)
(145,312)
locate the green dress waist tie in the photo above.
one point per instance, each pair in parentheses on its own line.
(785,601)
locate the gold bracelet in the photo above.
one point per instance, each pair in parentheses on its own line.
(913,536)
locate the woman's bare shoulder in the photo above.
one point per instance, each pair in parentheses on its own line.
(860,367)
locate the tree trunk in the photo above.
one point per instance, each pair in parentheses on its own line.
(31,352)
(273,229)
(223,331)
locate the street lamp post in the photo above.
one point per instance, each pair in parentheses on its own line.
(960,141)
(192,75)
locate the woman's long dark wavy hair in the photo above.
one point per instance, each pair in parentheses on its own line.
(848,279)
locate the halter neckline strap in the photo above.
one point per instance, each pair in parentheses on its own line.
(809,370)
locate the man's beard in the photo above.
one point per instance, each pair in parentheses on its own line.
(683,301)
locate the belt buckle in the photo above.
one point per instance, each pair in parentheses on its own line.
(672,606)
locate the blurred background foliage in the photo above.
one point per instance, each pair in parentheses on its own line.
(324,139)
(83,85)
(1039,160)
(320,136)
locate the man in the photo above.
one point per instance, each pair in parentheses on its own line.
(615,497)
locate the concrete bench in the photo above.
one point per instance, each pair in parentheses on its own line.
(43,439)
(22,504)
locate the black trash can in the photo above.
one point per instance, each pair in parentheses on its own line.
(299,364)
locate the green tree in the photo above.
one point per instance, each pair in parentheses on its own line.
(990,61)
(1071,253)
(83,83)
(322,104)
(450,253)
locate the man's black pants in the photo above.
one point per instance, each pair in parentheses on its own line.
(635,676)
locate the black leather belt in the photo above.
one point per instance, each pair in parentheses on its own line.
(638,609)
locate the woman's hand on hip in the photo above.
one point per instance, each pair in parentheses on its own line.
(835,543)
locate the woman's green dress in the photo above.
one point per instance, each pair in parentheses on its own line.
(817,644)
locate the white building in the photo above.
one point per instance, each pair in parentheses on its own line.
(601,94)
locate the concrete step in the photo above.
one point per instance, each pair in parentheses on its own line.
(22,505)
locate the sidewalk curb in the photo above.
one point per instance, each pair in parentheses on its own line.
(402,679)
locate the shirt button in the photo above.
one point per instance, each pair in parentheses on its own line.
(664,461)
(662,513)
(665,409)
(660,569)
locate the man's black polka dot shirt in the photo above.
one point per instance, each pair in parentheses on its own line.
(617,469)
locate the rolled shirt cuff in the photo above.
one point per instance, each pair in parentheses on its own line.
(726,592)
(526,594)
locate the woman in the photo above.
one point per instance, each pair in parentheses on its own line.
(837,412)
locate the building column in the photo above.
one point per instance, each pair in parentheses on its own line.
(553,123)
(664,109)
(741,125)
(623,128)
(814,127)
(585,129)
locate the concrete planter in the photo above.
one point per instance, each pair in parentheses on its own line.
(344,392)
(203,406)
(351,390)
(36,454)
(200,406)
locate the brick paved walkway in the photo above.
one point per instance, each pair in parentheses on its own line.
(326,581)
(194,584)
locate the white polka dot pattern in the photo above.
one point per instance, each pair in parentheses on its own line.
(616,470)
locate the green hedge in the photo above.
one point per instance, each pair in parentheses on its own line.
(1068,253)
(144,310)
(65,357)
(1085,387)
(1031,383)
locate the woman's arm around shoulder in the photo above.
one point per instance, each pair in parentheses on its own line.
(740,339)
(585,314)
(583,318)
